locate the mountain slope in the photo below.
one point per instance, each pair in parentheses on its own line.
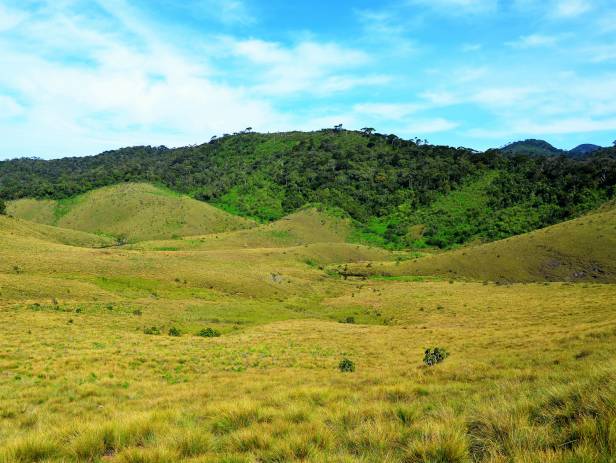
(583,249)
(374,178)
(130,210)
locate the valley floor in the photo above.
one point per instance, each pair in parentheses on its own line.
(531,375)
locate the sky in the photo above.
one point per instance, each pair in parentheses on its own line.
(78,77)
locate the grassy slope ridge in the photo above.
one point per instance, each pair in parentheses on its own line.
(582,249)
(307,226)
(13,228)
(136,210)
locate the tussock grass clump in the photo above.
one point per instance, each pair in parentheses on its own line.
(153,330)
(208,333)
(175,332)
(439,446)
(33,448)
(346,366)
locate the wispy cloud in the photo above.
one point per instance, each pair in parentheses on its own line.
(310,67)
(571,8)
(458,6)
(534,41)
(110,78)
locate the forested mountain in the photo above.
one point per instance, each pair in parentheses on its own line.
(584,150)
(533,147)
(399,192)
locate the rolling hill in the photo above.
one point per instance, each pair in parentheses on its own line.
(132,211)
(583,249)
(307,226)
(13,228)
(377,180)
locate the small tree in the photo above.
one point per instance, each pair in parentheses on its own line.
(2,207)
(368,130)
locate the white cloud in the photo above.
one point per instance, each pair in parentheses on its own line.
(115,81)
(390,111)
(571,8)
(423,127)
(9,18)
(471,47)
(9,108)
(534,41)
(564,126)
(458,6)
(310,67)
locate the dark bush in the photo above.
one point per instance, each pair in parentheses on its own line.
(173,331)
(434,356)
(153,330)
(346,366)
(208,333)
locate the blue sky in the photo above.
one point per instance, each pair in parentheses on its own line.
(81,76)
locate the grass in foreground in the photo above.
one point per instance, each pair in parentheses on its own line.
(84,376)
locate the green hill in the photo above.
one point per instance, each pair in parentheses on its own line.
(132,211)
(378,180)
(583,249)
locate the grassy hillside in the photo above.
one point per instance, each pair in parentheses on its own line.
(12,229)
(583,249)
(85,377)
(307,226)
(133,210)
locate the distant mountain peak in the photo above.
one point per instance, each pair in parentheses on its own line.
(532,146)
(536,147)
(584,149)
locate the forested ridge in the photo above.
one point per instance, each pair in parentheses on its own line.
(399,192)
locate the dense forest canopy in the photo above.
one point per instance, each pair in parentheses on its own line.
(399,192)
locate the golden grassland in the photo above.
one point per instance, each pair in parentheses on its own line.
(582,249)
(530,378)
(307,226)
(137,211)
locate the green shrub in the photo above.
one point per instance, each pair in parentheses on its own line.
(349,320)
(153,330)
(173,331)
(137,312)
(208,333)
(434,356)
(2,207)
(346,366)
